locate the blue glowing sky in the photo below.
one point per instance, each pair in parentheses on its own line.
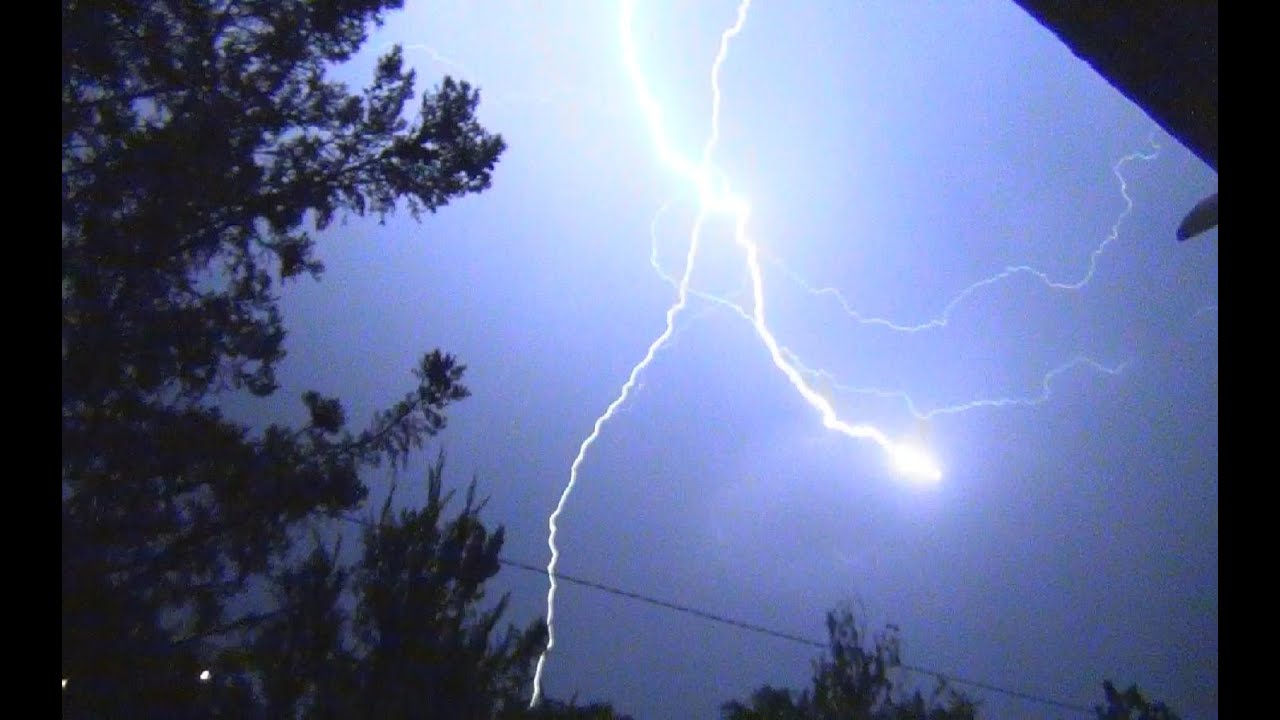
(898,153)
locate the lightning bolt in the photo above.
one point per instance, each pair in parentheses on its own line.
(717,199)
(828,382)
(1041,397)
(943,318)
(705,192)
(714,197)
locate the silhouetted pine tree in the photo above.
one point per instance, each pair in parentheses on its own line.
(201,145)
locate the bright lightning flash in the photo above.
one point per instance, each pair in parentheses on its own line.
(714,198)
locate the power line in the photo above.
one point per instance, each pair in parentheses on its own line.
(762,630)
(669,605)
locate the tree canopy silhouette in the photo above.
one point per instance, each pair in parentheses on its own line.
(202,144)
(1131,705)
(406,631)
(853,681)
(421,639)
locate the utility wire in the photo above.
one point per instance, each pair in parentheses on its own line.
(669,605)
(750,627)
(762,630)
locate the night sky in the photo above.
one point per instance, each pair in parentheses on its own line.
(893,155)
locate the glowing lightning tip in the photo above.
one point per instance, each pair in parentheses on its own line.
(915,464)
